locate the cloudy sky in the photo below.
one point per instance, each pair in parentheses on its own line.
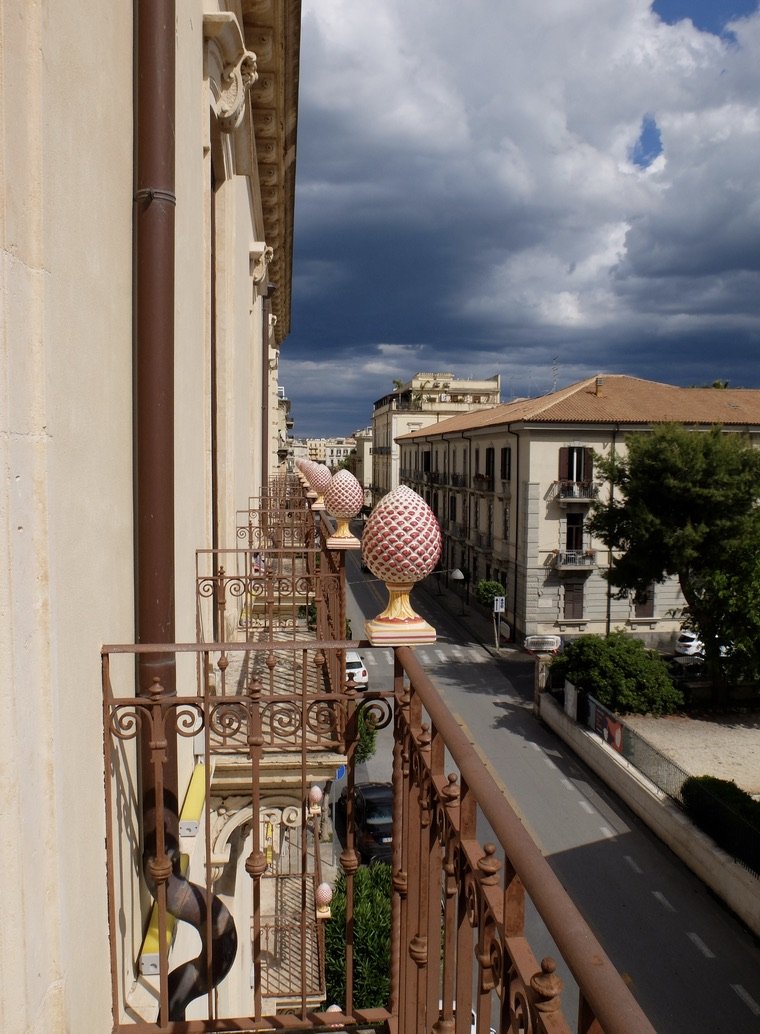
(545,189)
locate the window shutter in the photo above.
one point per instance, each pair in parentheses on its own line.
(588,464)
(564,463)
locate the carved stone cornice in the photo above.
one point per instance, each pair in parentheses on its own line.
(272,29)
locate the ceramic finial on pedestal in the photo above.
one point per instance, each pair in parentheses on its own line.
(319,478)
(344,497)
(401,545)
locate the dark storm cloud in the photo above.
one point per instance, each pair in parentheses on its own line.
(471,198)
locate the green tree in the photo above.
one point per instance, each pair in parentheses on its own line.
(619,672)
(372,939)
(685,503)
(487,591)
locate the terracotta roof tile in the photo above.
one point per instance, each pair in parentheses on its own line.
(618,399)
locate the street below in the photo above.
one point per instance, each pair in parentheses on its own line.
(689,962)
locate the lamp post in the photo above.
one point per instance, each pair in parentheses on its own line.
(457,576)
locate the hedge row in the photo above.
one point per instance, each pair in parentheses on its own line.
(726,813)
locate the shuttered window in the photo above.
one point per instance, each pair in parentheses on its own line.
(576,463)
(573,609)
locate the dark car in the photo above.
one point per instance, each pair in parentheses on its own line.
(373,820)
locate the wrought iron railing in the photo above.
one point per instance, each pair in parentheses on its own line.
(569,491)
(575,558)
(458,929)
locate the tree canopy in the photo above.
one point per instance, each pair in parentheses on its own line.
(686,503)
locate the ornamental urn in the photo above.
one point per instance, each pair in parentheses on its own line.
(401,545)
(344,498)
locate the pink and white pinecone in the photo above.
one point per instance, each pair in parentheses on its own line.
(401,540)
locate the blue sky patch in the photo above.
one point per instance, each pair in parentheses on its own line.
(707,15)
(649,145)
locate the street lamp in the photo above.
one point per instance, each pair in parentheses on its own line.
(457,576)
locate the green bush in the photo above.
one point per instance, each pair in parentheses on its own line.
(619,672)
(372,939)
(726,813)
(365,748)
(485,592)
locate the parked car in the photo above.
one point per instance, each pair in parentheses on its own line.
(689,644)
(373,820)
(356,670)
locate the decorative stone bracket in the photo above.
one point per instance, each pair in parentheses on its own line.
(231,68)
(260,255)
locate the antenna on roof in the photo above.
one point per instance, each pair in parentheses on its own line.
(555,371)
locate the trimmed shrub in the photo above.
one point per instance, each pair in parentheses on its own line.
(485,592)
(365,748)
(619,672)
(726,813)
(372,939)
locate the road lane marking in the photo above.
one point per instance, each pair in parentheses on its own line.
(441,655)
(747,998)
(663,900)
(607,832)
(549,762)
(566,783)
(587,807)
(698,943)
(634,865)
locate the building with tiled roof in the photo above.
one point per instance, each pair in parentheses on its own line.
(512,486)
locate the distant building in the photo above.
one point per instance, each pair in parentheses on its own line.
(361,465)
(426,399)
(512,488)
(330,451)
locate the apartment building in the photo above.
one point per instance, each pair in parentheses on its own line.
(424,400)
(512,488)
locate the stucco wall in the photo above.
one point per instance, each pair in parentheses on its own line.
(66,149)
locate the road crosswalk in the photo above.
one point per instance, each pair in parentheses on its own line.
(429,656)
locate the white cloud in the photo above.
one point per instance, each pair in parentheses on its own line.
(493,141)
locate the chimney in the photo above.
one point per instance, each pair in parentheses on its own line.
(598,386)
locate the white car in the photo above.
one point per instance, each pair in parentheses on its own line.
(689,644)
(356,670)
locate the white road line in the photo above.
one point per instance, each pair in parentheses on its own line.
(534,745)
(441,655)
(697,941)
(607,832)
(634,865)
(663,900)
(550,763)
(747,998)
(566,783)
(587,807)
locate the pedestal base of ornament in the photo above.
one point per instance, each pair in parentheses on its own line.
(408,632)
(343,542)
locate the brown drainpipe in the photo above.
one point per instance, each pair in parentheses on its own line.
(154,497)
(154,359)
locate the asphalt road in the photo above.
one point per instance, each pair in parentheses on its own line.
(690,964)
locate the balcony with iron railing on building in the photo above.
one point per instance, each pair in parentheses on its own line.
(248,728)
(574,559)
(566,491)
(482,482)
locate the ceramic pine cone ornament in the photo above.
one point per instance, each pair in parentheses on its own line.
(319,477)
(401,545)
(344,497)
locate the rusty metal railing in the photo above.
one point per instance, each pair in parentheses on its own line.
(458,933)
